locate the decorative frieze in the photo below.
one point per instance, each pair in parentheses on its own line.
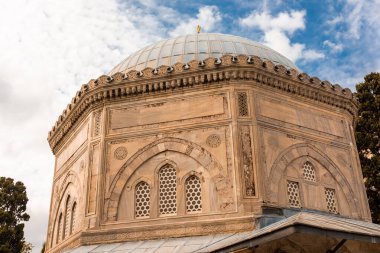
(247,161)
(243,68)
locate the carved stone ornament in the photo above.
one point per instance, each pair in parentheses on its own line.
(247,161)
(121,153)
(213,140)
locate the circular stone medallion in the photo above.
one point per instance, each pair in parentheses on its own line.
(213,140)
(120,153)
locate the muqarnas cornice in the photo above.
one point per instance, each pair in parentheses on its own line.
(211,70)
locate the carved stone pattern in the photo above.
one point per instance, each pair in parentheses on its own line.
(309,172)
(213,140)
(142,200)
(331,201)
(168,190)
(121,153)
(247,161)
(193,195)
(243,104)
(297,83)
(97,117)
(294,194)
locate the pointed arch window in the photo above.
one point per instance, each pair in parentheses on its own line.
(142,200)
(193,194)
(73,217)
(59,228)
(309,172)
(167,178)
(67,217)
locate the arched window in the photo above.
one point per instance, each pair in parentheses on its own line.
(73,217)
(167,178)
(331,201)
(59,228)
(193,194)
(309,172)
(142,200)
(67,217)
(294,194)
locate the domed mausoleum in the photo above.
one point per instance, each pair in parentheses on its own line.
(208,143)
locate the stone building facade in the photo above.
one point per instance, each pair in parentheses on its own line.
(210,142)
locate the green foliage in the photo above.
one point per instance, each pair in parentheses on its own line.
(13,201)
(367,139)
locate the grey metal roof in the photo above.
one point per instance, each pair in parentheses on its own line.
(211,243)
(197,47)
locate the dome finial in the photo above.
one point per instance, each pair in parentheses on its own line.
(198,28)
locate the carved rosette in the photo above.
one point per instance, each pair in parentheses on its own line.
(213,140)
(247,161)
(120,153)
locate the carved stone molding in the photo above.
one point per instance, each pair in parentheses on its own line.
(243,68)
(306,149)
(247,161)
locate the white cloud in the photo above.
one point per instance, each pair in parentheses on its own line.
(277,31)
(48,49)
(285,21)
(208,18)
(335,47)
(310,55)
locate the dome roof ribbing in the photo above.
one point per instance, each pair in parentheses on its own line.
(197,47)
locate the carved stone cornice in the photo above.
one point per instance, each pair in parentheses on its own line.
(212,70)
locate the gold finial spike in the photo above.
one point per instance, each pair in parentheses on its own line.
(198,28)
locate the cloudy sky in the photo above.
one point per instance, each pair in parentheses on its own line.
(50,48)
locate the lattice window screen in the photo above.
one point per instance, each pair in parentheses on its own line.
(73,218)
(243,104)
(142,200)
(294,194)
(331,201)
(67,217)
(168,190)
(97,118)
(193,195)
(309,172)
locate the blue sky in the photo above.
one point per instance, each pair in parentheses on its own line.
(50,48)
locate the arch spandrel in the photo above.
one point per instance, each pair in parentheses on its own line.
(297,151)
(202,156)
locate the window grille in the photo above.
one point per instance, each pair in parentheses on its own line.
(331,201)
(73,218)
(309,172)
(142,200)
(243,104)
(67,218)
(294,194)
(193,194)
(97,117)
(59,228)
(168,190)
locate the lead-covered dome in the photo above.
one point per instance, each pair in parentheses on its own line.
(197,47)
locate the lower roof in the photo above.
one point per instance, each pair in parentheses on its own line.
(302,222)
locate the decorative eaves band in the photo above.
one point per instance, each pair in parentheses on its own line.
(211,70)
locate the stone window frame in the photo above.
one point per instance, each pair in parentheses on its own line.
(67,217)
(302,181)
(59,228)
(248,114)
(74,210)
(183,184)
(151,189)
(325,188)
(157,188)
